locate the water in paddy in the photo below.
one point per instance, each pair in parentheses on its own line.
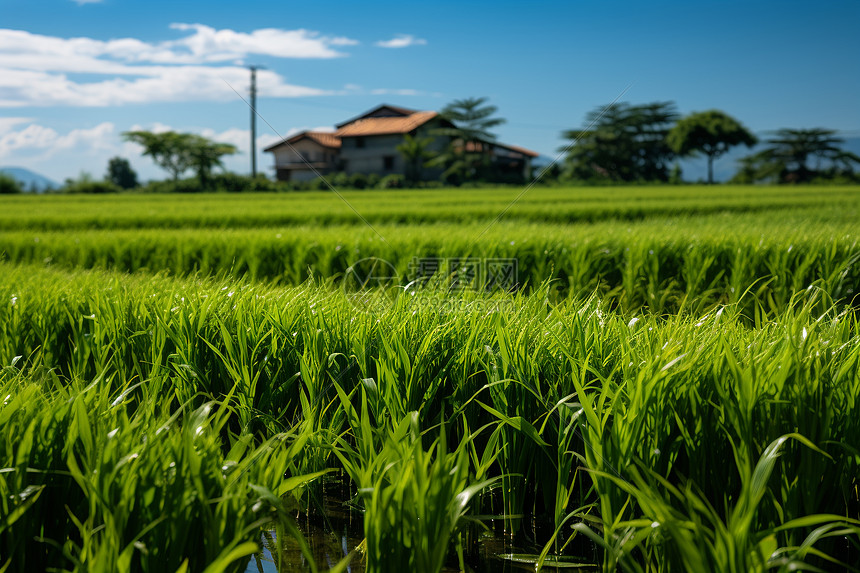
(333,533)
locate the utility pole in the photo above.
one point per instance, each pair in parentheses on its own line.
(254,119)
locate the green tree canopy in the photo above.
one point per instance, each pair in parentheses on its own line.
(205,155)
(472,120)
(121,174)
(470,124)
(788,154)
(9,185)
(622,142)
(176,153)
(710,132)
(169,149)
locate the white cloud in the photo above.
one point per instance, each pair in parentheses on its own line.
(7,123)
(207,44)
(23,50)
(36,143)
(401,41)
(206,64)
(156,127)
(34,69)
(342,41)
(20,88)
(61,155)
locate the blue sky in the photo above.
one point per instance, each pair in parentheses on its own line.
(74,75)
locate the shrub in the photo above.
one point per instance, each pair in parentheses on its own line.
(319,184)
(231,182)
(9,185)
(339,180)
(90,187)
(287,186)
(358,180)
(170,186)
(373,180)
(235,183)
(394,181)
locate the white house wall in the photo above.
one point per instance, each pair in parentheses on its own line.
(370,158)
(311,150)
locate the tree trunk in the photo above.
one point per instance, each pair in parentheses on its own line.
(710,169)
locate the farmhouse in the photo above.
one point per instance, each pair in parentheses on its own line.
(368,144)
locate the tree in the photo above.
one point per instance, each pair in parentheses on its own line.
(472,120)
(710,132)
(169,150)
(786,159)
(178,152)
(622,142)
(121,174)
(204,155)
(9,185)
(415,153)
(469,131)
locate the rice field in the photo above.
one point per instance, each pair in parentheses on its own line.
(659,390)
(663,264)
(321,208)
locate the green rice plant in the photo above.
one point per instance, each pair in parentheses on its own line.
(678,418)
(671,260)
(516,400)
(304,382)
(414,500)
(107,483)
(552,204)
(701,275)
(566,469)
(697,538)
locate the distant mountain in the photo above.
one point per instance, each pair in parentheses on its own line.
(29,179)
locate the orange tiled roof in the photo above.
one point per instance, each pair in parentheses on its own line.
(398,111)
(385,125)
(324,138)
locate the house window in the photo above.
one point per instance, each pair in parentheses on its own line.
(359,142)
(388,162)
